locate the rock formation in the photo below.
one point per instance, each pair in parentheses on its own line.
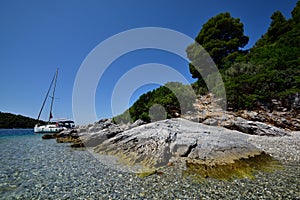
(251,122)
(202,148)
(158,143)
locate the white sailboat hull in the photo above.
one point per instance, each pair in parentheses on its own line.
(49,128)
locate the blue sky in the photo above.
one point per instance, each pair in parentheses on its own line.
(38,36)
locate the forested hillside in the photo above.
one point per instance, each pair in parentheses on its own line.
(8,120)
(271,69)
(164,102)
(265,76)
(268,72)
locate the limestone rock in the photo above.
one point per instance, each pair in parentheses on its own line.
(68,136)
(209,113)
(158,143)
(102,130)
(256,128)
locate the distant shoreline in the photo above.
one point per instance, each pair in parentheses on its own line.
(13,121)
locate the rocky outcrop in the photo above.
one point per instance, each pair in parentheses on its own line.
(250,122)
(254,128)
(104,129)
(69,136)
(285,120)
(203,149)
(199,150)
(162,142)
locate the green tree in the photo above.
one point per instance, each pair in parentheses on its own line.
(220,36)
(296,13)
(271,70)
(279,25)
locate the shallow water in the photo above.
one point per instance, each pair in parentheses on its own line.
(32,168)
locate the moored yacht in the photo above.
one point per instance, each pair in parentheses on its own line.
(52,126)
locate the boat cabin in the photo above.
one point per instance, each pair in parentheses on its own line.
(66,123)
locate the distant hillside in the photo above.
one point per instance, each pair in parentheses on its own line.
(8,120)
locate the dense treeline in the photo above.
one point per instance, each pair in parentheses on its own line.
(269,71)
(8,120)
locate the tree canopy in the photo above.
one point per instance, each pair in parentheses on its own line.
(271,69)
(221,37)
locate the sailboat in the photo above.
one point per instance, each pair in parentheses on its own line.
(52,126)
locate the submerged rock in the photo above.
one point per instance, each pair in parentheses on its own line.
(49,136)
(242,168)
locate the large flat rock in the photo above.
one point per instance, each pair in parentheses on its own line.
(158,143)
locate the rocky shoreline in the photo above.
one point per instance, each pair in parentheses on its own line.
(192,147)
(224,145)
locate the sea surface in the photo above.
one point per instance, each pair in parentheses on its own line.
(32,168)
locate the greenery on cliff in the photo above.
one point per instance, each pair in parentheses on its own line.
(8,120)
(269,71)
(164,102)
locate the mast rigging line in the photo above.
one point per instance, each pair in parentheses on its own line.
(53,79)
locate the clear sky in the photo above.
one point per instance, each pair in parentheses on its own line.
(38,36)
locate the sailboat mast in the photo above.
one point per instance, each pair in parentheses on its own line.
(46,98)
(50,115)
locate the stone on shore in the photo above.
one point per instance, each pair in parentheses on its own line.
(255,128)
(259,122)
(182,141)
(103,130)
(70,136)
(233,122)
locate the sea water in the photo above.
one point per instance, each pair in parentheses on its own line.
(33,168)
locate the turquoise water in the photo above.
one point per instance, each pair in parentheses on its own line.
(32,168)
(15,132)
